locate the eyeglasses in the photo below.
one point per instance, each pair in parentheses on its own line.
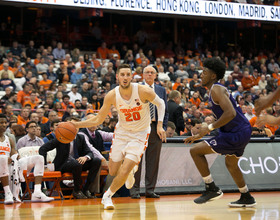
(32,127)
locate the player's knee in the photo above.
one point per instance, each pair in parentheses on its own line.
(112,172)
(124,173)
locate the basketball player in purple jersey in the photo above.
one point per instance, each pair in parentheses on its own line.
(234,135)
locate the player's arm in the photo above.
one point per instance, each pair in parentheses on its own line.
(149,95)
(220,96)
(13,147)
(267,101)
(97,120)
(267,120)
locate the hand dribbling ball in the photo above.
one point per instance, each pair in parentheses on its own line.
(65,132)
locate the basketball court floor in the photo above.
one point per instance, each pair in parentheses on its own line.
(170,207)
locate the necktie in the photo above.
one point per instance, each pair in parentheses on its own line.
(93,135)
(152,109)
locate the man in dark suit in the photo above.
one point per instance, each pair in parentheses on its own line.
(176,111)
(152,154)
(74,157)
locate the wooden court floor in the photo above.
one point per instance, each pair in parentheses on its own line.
(169,207)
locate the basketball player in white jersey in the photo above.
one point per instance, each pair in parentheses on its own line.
(132,130)
(12,165)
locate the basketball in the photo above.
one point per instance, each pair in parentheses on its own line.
(65,132)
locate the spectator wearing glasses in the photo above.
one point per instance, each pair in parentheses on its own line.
(30,139)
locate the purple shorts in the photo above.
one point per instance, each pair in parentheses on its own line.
(230,143)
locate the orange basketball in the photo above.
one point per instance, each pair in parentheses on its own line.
(65,132)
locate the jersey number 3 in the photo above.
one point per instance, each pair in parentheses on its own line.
(134,116)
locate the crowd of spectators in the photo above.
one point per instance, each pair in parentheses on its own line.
(45,84)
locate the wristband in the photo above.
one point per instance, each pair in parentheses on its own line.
(210,127)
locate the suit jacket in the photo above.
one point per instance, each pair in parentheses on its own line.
(62,150)
(161,92)
(176,116)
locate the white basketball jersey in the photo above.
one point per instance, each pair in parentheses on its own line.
(5,147)
(134,115)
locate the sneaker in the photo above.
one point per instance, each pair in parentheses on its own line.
(246,200)
(130,179)
(8,198)
(17,199)
(212,193)
(108,204)
(79,195)
(41,198)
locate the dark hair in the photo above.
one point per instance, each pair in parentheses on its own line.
(65,96)
(122,66)
(113,120)
(216,65)
(27,105)
(31,122)
(3,116)
(12,94)
(54,122)
(195,121)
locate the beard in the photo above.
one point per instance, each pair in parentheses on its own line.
(125,86)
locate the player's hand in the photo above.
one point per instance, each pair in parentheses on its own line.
(82,160)
(266,120)
(260,104)
(9,160)
(161,133)
(203,130)
(191,139)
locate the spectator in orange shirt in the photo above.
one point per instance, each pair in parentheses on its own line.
(204,110)
(23,118)
(247,81)
(195,100)
(66,102)
(24,94)
(38,58)
(42,118)
(103,51)
(32,102)
(94,62)
(113,51)
(7,62)
(18,70)
(45,82)
(256,77)
(276,75)
(177,83)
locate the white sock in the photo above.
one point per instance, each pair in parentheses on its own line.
(243,189)
(208,179)
(7,189)
(37,189)
(108,194)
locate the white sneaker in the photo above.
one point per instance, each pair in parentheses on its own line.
(130,179)
(9,199)
(108,204)
(17,200)
(41,198)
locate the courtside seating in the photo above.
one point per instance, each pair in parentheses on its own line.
(54,176)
